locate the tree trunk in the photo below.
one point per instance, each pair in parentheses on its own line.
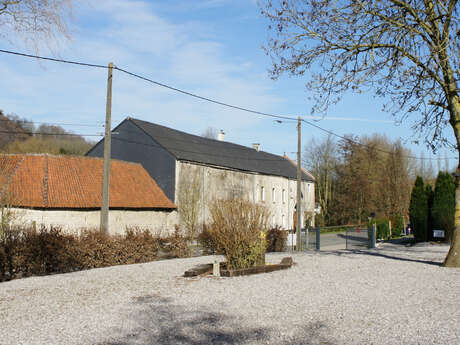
(453,257)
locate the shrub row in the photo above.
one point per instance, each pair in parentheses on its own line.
(25,251)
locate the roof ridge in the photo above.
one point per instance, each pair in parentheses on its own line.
(295,164)
(200,137)
(45,183)
(64,156)
(148,134)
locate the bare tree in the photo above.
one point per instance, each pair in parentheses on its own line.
(190,200)
(321,159)
(210,133)
(35,21)
(407,51)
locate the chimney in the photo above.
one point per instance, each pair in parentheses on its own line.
(221,135)
(256,146)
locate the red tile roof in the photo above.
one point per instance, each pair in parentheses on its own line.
(46,181)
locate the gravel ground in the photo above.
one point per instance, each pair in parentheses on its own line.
(390,295)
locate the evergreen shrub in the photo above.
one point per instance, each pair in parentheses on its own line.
(443,208)
(397,226)
(383,229)
(418,211)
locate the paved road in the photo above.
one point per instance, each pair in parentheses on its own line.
(333,241)
(329,241)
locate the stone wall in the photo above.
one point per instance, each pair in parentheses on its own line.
(276,192)
(119,220)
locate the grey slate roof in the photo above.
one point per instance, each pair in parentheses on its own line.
(193,148)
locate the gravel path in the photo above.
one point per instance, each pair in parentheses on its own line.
(391,295)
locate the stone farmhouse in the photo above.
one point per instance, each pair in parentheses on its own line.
(65,191)
(179,161)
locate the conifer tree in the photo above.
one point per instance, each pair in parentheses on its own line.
(429,225)
(418,210)
(444,203)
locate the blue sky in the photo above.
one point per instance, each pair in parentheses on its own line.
(208,47)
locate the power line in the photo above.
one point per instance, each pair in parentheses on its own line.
(51,134)
(368,146)
(23,121)
(207,99)
(53,59)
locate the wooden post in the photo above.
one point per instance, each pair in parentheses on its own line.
(299,189)
(107,143)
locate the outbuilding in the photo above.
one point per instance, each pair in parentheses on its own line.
(65,191)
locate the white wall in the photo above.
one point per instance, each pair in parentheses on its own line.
(219,183)
(72,221)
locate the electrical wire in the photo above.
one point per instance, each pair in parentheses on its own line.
(52,134)
(53,59)
(207,99)
(21,121)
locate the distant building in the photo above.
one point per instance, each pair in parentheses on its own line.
(175,160)
(65,191)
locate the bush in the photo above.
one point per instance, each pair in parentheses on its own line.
(177,244)
(207,242)
(443,209)
(26,251)
(397,226)
(238,232)
(276,240)
(418,211)
(383,228)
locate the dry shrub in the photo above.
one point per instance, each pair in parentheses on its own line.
(276,240)
(47,251)
(206,241)
(177,244)
(25,251)
(238,231)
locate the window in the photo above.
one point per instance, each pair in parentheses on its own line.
(273,194)
(283,195)
(262,193)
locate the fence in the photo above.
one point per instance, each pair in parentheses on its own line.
(360,238)
(313,239)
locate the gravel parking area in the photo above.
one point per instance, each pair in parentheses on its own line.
(391,295)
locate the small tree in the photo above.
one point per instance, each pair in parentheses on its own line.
(238,229)
(190,200)
(418,210)
(444,203)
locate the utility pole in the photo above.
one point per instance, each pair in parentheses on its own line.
(107,144)
(299,189)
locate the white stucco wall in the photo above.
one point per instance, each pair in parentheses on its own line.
(219,183)
(119,220)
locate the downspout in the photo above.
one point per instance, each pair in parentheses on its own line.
(203,203)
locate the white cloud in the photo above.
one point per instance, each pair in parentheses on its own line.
(135,37)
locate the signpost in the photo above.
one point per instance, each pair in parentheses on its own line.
(439,233)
